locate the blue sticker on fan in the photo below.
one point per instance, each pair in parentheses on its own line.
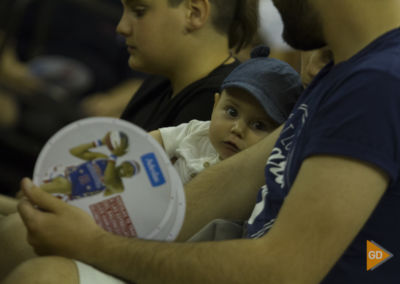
(153,169)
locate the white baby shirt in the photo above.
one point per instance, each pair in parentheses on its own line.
(190,145)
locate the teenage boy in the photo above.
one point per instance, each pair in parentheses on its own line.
(254,100)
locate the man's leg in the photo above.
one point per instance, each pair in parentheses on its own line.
(13,245)
(8,205)
(55,269)
(44,270)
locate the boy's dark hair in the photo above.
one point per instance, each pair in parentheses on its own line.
(236,18)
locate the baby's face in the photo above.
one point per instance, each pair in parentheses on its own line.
(238,121)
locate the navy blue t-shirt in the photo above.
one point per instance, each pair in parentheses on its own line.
(351,109)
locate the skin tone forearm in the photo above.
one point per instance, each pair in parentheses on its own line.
(334,216)
(206,262)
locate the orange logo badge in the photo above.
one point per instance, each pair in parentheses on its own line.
(376,255)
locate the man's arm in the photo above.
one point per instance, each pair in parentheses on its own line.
(329,202)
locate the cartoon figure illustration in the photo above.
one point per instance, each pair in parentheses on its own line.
(100,173)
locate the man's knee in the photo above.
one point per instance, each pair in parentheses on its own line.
(11,221)
(8,205)
(13,237)
(13,245)
(44,270)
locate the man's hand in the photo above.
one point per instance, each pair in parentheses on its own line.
(54,227)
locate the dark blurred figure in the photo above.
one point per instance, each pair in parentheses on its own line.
(76,39)
(53,53)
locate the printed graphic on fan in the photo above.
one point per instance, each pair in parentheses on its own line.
(99,172)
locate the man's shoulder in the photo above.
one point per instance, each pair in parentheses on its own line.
(381,55)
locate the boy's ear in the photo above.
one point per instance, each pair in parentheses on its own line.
(198,12)
(217,96)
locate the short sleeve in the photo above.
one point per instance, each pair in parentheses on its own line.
(360,119)
(173,136)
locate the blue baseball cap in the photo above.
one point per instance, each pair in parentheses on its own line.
(274,83)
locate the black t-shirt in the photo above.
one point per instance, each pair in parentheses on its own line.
(152,107)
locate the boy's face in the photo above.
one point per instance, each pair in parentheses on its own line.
(237,122)
(153,32)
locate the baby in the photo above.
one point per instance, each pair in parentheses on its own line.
(255,99)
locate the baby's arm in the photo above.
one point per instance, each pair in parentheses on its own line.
(156,134)
(171,138)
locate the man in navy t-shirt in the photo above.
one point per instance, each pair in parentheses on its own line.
(330,209)
(359,124)
(340,150)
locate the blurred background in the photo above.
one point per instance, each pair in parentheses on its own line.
(60,60)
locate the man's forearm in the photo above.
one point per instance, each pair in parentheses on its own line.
(227,190)
(145,262)
(321,209)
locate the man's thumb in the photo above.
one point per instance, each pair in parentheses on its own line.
(40,198)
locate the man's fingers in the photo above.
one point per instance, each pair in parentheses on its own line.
(26,211)
(40,198)
(26,185)
(31,218)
